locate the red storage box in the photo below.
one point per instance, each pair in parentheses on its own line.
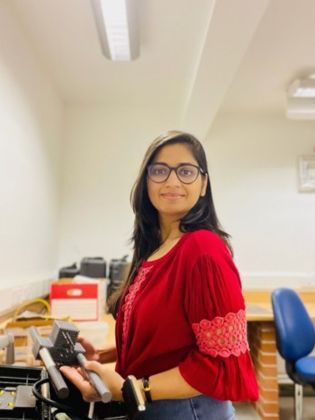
(80,301)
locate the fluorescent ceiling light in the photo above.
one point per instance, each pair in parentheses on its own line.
(302,89)
(117,28)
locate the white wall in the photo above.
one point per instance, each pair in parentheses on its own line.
(253,165)
(252,162)
(31,130)
(103,150)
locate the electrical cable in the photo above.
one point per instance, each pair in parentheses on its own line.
(61,407)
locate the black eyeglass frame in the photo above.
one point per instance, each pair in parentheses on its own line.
(175,169)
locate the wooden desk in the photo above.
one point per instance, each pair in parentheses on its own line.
(261,335)
(262,341)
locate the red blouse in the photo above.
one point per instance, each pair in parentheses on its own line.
(186,309)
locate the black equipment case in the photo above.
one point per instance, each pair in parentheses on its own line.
(18,402)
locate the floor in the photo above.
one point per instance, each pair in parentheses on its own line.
(246,412)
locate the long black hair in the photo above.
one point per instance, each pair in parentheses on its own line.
(146,237)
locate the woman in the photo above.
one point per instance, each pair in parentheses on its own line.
(181,327)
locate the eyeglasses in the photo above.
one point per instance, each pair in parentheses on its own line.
(185,172)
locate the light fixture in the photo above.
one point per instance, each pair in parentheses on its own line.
(301,99)
(117,28)
(302,89)
(300,108)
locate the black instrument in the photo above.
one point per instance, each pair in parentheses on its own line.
(60,349)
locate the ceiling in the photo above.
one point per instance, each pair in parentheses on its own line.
(197,58)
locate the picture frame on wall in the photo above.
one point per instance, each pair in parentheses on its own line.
(306,168)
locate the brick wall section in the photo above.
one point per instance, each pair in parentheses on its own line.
(262,342)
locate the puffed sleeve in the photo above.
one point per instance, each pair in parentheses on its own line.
(219,364)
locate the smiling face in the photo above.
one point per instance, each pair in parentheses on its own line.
(173,198)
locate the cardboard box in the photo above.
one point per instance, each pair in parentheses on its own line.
(94,331)
(80,301)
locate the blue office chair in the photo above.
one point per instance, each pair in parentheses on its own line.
(295,335)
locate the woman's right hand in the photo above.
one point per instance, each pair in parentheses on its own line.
(106,355)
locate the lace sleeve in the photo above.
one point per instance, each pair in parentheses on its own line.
(222,336)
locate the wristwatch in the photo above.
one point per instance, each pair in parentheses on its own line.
(147,389)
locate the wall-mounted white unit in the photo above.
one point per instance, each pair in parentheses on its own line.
(301,108)
(307,173)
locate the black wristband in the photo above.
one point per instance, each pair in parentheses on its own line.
(147,389)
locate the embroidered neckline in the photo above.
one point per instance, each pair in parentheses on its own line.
(222,336)
(128,304)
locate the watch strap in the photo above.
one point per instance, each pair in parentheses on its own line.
(147,389)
